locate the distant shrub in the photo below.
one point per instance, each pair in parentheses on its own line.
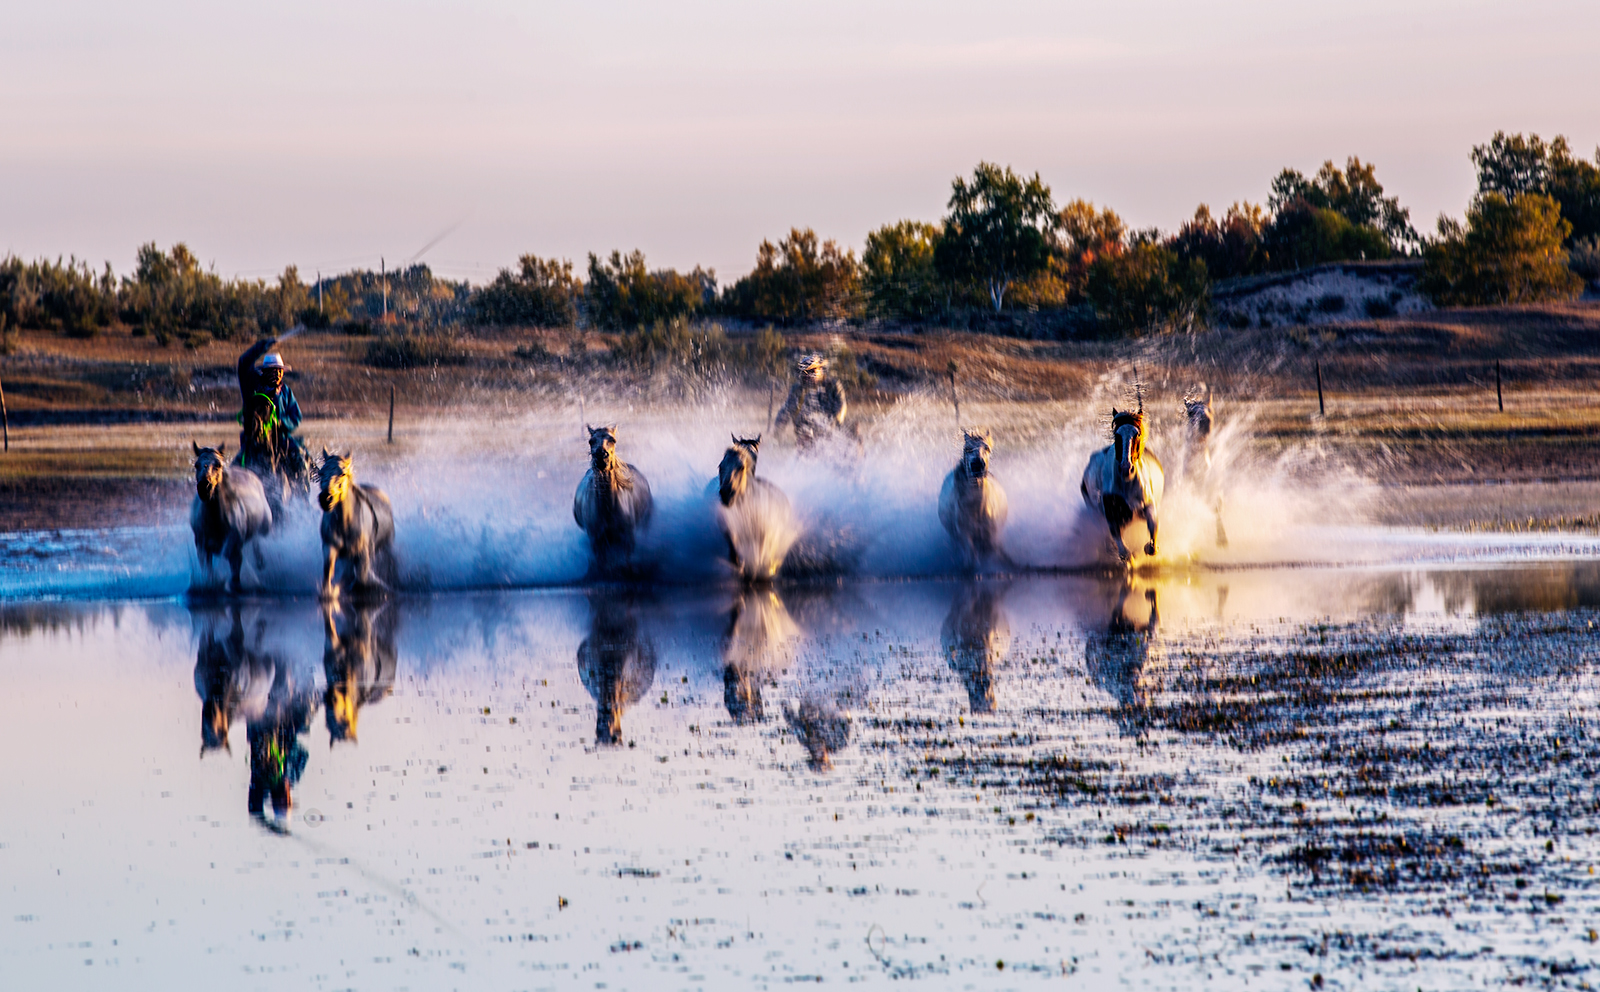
(415,350)
(1330,303)
(1509,251)
(1146,289)
(1583,258)
(803,279)
(541,293)
(622,294)
(1377,307)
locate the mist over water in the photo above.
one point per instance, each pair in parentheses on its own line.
(488,504)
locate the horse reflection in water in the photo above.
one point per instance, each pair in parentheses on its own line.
(1120,660)
(616,662)
(358,663)
(976,635)
(236,676)
(757,641)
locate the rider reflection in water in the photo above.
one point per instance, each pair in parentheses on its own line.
(236,677)
(616,663)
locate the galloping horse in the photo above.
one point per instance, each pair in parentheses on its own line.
(1197,455)
(612,502)
(972,506)
(756,518)
(230,510)
(1123,480)
(357,526)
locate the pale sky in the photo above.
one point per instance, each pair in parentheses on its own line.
(327,134)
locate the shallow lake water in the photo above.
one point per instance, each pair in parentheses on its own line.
(1313,777)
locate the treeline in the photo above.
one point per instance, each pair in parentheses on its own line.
(171,297)
(1005,246)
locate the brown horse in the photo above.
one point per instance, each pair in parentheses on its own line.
(357,527)
(972,506)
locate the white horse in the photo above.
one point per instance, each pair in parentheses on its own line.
(756,517)
(972,506)
(1197,455)
(357,526)
(613,500)
(1123,481)
(230,510)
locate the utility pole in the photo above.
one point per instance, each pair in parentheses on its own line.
(319,292)
(383,274)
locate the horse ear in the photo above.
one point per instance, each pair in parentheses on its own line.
(222,448)
(733,437)
(758,440)
(196,445)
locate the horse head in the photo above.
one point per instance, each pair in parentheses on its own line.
(208,469)
(602,447)
(738,468)
(1197,412)
(976,448)
(337,474)
(1127,434)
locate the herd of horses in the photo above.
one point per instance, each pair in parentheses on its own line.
(1123,482)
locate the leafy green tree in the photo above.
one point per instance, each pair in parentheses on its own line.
(996,233)
(799,280)
(897,272)
(1147,288)
(1509,251)
(541,293)
(1512,165)
(622,293)
(1302,235)
(1353,193)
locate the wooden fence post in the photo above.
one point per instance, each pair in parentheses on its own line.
(391,414)
(5,418)
(1322,408)
(1499,396)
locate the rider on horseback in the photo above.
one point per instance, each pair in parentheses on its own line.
(269,416)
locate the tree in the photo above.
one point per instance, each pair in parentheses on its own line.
(1509,251)
(1302,235)
(996,231)
(1229,248)
(541,293)
(799,280)
(898,274)
(1354,194)
(1084,234)
(623,293)
(1147,287)
(1512,165)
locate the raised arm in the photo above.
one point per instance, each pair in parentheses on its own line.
(248,377)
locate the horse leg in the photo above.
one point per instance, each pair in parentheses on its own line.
(330,592)
(1118,517)
(1222,535)
(1149,514)
(234,551)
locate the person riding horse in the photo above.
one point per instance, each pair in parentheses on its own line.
(815,404)
(268,418)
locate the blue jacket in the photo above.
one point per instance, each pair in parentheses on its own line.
(251,380)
